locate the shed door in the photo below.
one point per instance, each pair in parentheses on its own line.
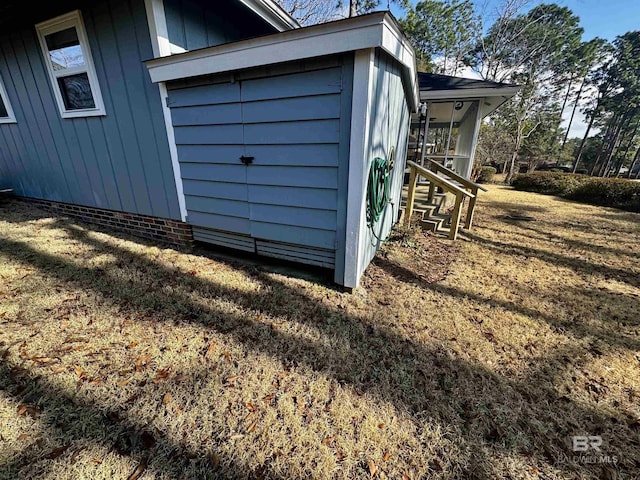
(284,203)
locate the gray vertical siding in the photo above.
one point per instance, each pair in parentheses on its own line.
(120,161)
(194,24)
(296,124)
(389,127)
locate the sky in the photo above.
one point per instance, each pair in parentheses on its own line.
(599,18)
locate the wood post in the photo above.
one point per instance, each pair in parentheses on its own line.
(411,196)
(471,209)
(455,217)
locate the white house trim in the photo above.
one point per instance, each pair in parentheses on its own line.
(360,112)
(162,48)
(11,117)
(71,19)
(272,13)
(377,30)
(468,93)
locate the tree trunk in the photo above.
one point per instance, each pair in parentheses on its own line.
(633,163)
(353,8)
(605,139)
(512,164)
(566,98)
(584,141)
(612,147)
(626,150)
(573,112)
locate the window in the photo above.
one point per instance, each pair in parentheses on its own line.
(71,71)
(6,112)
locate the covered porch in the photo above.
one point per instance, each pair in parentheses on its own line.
(443,139)
(445,129)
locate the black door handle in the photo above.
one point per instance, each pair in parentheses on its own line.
(246,160)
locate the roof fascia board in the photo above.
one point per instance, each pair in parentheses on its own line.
(272,13)
(468,92)
(366,32)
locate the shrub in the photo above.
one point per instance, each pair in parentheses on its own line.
(551,183)
(610,192)
(486,174)
(615,192)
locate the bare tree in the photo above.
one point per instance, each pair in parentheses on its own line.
(310,12)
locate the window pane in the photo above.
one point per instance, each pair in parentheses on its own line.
(64,49)
(76,92)
(3,109)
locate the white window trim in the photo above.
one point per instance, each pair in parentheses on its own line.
(7,104)
(71,19)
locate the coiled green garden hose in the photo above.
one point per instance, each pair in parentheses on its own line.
(379,187)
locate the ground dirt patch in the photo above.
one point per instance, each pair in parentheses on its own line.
(471,360)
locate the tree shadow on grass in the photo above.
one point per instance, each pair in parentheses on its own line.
(569,327)
(489,413)
(578,265)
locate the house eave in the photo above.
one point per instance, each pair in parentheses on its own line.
(272,13)
(377,30)
(468,93)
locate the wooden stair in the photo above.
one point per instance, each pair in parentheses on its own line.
(432,213)
(432,216)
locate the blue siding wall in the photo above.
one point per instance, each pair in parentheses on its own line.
(194,24)
(389,127)
(296,125)
(119,161)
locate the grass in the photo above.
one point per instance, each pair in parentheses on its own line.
(473,360)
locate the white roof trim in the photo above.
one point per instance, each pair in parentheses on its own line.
(480,92)
(272,13)
(377,30)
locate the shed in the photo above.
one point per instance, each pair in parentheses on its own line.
(293,145)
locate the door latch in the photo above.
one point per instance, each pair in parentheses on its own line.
(246,160)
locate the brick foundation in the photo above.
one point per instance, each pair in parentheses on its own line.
(164,230)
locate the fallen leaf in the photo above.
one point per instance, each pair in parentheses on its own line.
(58,369)
(386,456)
(251,407)
(210,350)
(122,383)
(167,398)
(24,410)
(137,473)
(132,345)
(23,436)
(141,362)
(56,452)
(96,461)
(44,360)
(231,379)
(373,468)
(381,425)
(162,375)
(227,356)
(252,427)
(78,371)
(270,397)
(328,441)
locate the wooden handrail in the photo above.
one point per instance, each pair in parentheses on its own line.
(435,179)
(455,176)
(438,180)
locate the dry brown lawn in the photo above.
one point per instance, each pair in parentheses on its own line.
(474,360)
